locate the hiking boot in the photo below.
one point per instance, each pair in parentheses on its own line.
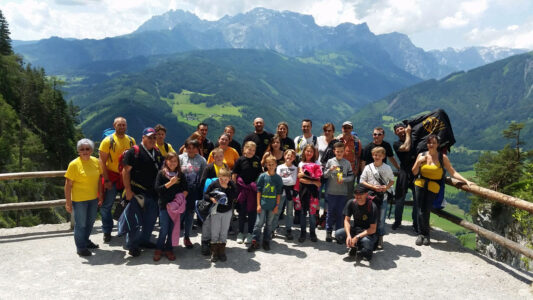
(253,246)
(266,246)
(205,248)
(107,237)
(91,245)
(289,236)
(240,238)
(380,243)
(301,239)
(84,252)
(157,255)
(222,252)
(419,240)
(187,243)
(313,238)
(329,237)
(395,226)
(249,238)
(352,252)
(148,245)
(426,241)
(214,252)
(367,256)
(134,252)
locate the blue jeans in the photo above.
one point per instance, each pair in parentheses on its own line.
(365,245)
(382,217)
(290,214)
(164,241)
(265,218)
(188,217)
(84,216)
(303,222)
(335,216)
(150,213)
(107,206)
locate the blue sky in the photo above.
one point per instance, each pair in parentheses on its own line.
(431,24)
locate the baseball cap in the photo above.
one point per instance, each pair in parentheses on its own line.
(148,131)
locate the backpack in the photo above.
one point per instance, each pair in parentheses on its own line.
(136,150)
(356,144)
(108,133)
(315,141)
(439,202)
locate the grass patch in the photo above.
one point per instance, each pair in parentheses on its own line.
(192,113)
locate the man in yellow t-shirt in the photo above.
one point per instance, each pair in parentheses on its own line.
(160,135)
(110,150)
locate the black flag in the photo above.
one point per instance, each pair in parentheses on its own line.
(436,122)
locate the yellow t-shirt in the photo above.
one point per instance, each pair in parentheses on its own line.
(84,175)
(230,157)
(433,172)
(119,146)
(164,151)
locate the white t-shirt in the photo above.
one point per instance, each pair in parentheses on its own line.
(301,141)
(322,146)
(384,170)
(288,174)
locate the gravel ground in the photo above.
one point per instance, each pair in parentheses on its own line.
(40,262)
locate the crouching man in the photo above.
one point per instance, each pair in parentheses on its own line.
(361,236)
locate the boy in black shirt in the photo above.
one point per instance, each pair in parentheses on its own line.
(361,236)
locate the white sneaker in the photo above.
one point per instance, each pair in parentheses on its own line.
(249,238)
(240,238)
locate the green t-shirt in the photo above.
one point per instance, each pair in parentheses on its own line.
(269,187)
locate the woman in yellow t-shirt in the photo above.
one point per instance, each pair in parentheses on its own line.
(83,193)
(427,186)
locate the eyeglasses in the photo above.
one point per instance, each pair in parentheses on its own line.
(377,134)
(84,149)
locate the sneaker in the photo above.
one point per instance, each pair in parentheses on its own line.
(266,246)
(329,237)
(352,252)
(313,238)
(253,246)
(187,243)
(240,238)
(395,226)
(134,252)
(84,252)
(107,237)
(148,245)
(157,255)
(289,236)
(419,240)
(170,255)
(301,239)
(426,241)
(91,245)
(249,238)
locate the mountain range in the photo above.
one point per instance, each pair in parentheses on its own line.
(291,34)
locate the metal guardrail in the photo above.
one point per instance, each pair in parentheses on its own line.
(477,190)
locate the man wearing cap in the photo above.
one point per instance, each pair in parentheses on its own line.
(352,152)
(405,180)
(110,150)
(141,164)
(361,237)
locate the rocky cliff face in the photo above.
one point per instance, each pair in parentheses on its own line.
(499,219)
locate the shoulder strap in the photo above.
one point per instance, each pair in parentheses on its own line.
(380,179)
(111,147)
(131,140)
(166,147)
(315,140)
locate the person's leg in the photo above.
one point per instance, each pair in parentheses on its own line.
(383,216)
(164,220)
(242,217)
(267,234)
(261,219)
(92,208)
(414,213)
(252,215)
(312,225)
(275,221)
(339,220)
(188,216)
(225,220)
(215,227)
(289,218)
(366,246)
(303,222)
(399,201)
(151,211)
(330,216)
(105,209)
(79,209)
(206,229)
(340,235)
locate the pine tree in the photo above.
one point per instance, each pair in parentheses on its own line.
(5,40)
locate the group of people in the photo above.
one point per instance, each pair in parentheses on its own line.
(266,179)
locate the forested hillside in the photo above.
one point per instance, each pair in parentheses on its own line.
(37,133)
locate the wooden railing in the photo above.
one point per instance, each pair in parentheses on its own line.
(476,190)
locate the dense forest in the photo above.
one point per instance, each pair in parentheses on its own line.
(37,133)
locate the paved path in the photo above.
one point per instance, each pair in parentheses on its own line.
(41,263)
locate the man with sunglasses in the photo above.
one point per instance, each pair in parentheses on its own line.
(378,135)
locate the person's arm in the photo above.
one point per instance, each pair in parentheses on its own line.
(68,195)
(258,202)
(100,191)
(328,169)
(349,174)
(453,173)
(371,230)
(348,233)
(102,160)
(394,162)
(278,198)
(406,146)
(416,166)
(126,178)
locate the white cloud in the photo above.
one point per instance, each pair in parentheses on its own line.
(458,20)
(513,36)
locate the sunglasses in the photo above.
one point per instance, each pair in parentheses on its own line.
(84,149)
(377,134)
